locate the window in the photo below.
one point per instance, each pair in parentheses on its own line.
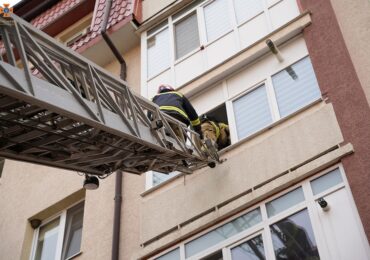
(173,255)
(252,112)
(247,9)
(284,202)
(157,53)
(216,22)
(186,35)
(326,181)
(292,89)
(221,27)
(220,234)
(278,228)
(161,177)
(293,238)
(295,87)
(252,249)
(60,238)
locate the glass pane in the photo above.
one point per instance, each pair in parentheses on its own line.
(295,87)
(252,112)
(173,255)
(217,19)
(158,53)
(161,177)
(186,35)
(73,232)
(157,28)
(193,5)
(215,256)
(220,234)
(246,9)
(284,202)
(47,241)
(293,238)
(251,250)
(326,181)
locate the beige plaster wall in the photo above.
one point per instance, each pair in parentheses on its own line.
(25,191)
(271,153)
(354,21)
(152,7)
(28,191)
(132,59)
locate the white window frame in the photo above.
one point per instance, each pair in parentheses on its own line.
(173,40)
(263,227)
(146,51)
(61,230)
(204,43)
(272,102)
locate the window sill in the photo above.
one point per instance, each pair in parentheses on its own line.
(238,143)
(160,185)
(74,256)
(278,122)
(158,73)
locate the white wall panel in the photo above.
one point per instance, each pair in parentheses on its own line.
(163,78)
(257,72)
(283,12)
(189,68)
(216,22)
(208,99)
(253,30)
(220,50)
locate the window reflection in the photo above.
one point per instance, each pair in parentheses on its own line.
(215,256)
(220,234)
(250,250)
(293,238)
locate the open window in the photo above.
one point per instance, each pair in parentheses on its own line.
(218,115)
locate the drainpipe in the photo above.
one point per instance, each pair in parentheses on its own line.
(118,180)
(117,216)
(123,69)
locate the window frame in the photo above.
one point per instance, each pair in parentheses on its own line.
(230,113)
(170,73)
(179,19)
(161,28)
(272,101)
(62,215)
(263,227)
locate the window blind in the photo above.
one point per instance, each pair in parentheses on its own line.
(158,53)
(295,87)
(217,19)
(246,9)
(186,35)
(252,112)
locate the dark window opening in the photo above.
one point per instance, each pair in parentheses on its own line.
(2,161)
(219,115)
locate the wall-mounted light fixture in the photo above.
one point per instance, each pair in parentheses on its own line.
(91,182)
(274,50)
(323,204)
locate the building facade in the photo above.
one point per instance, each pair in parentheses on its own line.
(295,183)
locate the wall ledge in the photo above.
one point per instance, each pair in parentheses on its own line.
(245,200)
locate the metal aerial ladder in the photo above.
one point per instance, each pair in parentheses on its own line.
(59,109)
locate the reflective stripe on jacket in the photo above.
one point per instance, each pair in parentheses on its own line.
(174,102)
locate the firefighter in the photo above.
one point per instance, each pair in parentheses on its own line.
(177,106)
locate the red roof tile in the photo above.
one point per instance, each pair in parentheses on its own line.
(54,13)
(120,10)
